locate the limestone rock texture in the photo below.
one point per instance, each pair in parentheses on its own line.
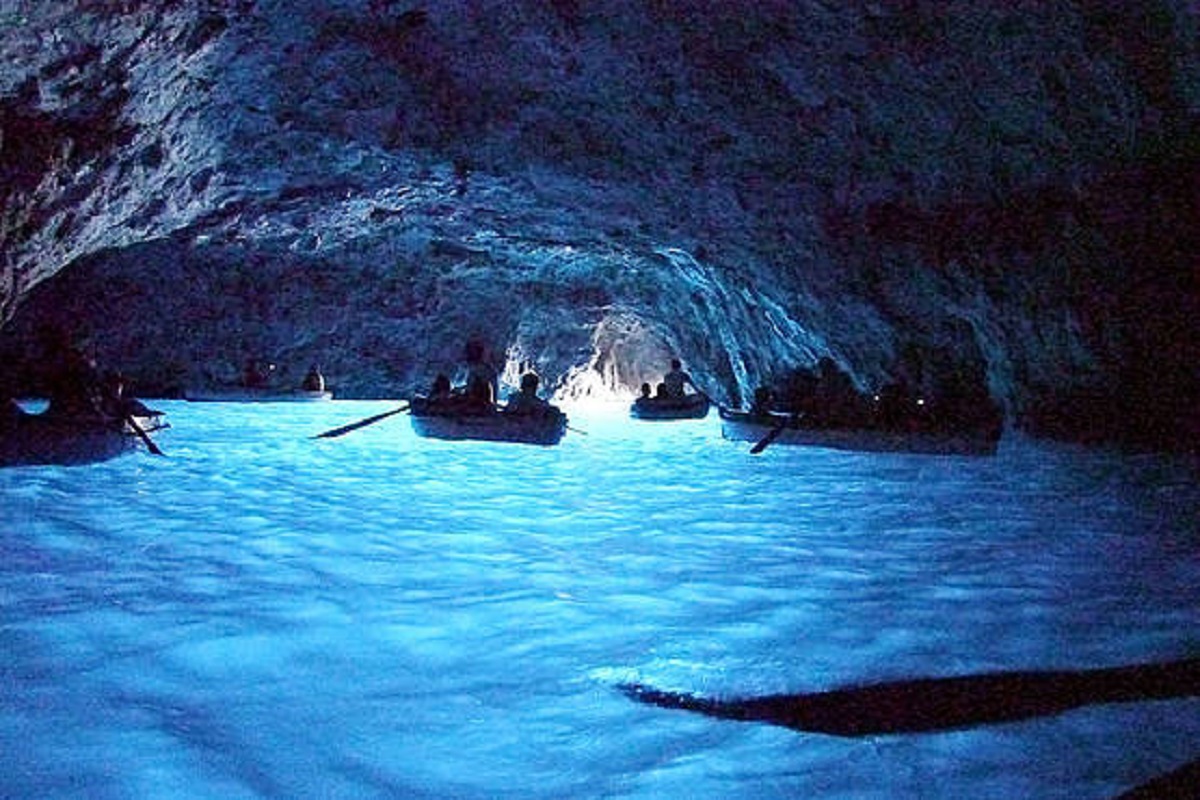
(1006,191)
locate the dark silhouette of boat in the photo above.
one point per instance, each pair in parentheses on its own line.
(690,406)
(796,429)
(461,421)
(246,394)
(49,439)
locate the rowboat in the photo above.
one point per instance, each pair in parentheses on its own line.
(37,439)
(439,420)
(790,429)
(242,394)
(691,406)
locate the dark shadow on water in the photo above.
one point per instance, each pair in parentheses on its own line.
(935,704)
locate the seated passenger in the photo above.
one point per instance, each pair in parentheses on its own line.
(252,376)
(838,402)
(800,393)
(482,377)
(764,400)
(314,381)
(676,380)
(440,391)
(76,388)
(645,398)
(118,405)
(526,402)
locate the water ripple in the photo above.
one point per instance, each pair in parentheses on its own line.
(265,614)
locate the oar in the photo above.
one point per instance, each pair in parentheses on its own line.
(150,445)
(362,423)
(938,704)
(771,436)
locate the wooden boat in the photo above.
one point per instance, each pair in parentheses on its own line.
(691,406)
(793,430)
(439,420)
(37,439)
(242,394)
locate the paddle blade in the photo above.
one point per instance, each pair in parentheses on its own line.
(766,440)
(145,437)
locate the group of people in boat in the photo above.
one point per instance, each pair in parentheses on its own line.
(256,375)
(478,394)
(76,388)
(671,389)
(89,416)
(821,397)
(826,397)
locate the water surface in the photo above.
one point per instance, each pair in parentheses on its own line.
(261,614)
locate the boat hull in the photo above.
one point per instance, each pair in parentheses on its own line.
(35,439)
(489,426)
(693,406)
(744,427)
(243,395)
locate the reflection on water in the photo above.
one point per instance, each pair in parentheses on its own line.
(262,614)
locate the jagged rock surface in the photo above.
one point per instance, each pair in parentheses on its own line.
(592,187)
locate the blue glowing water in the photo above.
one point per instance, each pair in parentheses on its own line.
(261,614)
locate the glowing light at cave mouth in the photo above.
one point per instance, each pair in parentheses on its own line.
(587,386)
(627,351)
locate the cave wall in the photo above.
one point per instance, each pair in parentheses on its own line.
(591,186)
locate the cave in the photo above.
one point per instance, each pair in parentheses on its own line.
(780,187)
(982,216)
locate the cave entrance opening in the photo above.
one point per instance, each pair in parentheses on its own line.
(627,351)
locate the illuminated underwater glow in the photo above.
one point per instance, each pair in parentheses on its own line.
(264,614)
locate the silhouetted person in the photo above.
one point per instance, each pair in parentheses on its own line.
(314,381)
(676,380)
(645,397)
(118,405)
(75,386)
(837,401)
(482,378)
(440,391)
(254,377)
(526,402)
(802,393)
(764,400)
